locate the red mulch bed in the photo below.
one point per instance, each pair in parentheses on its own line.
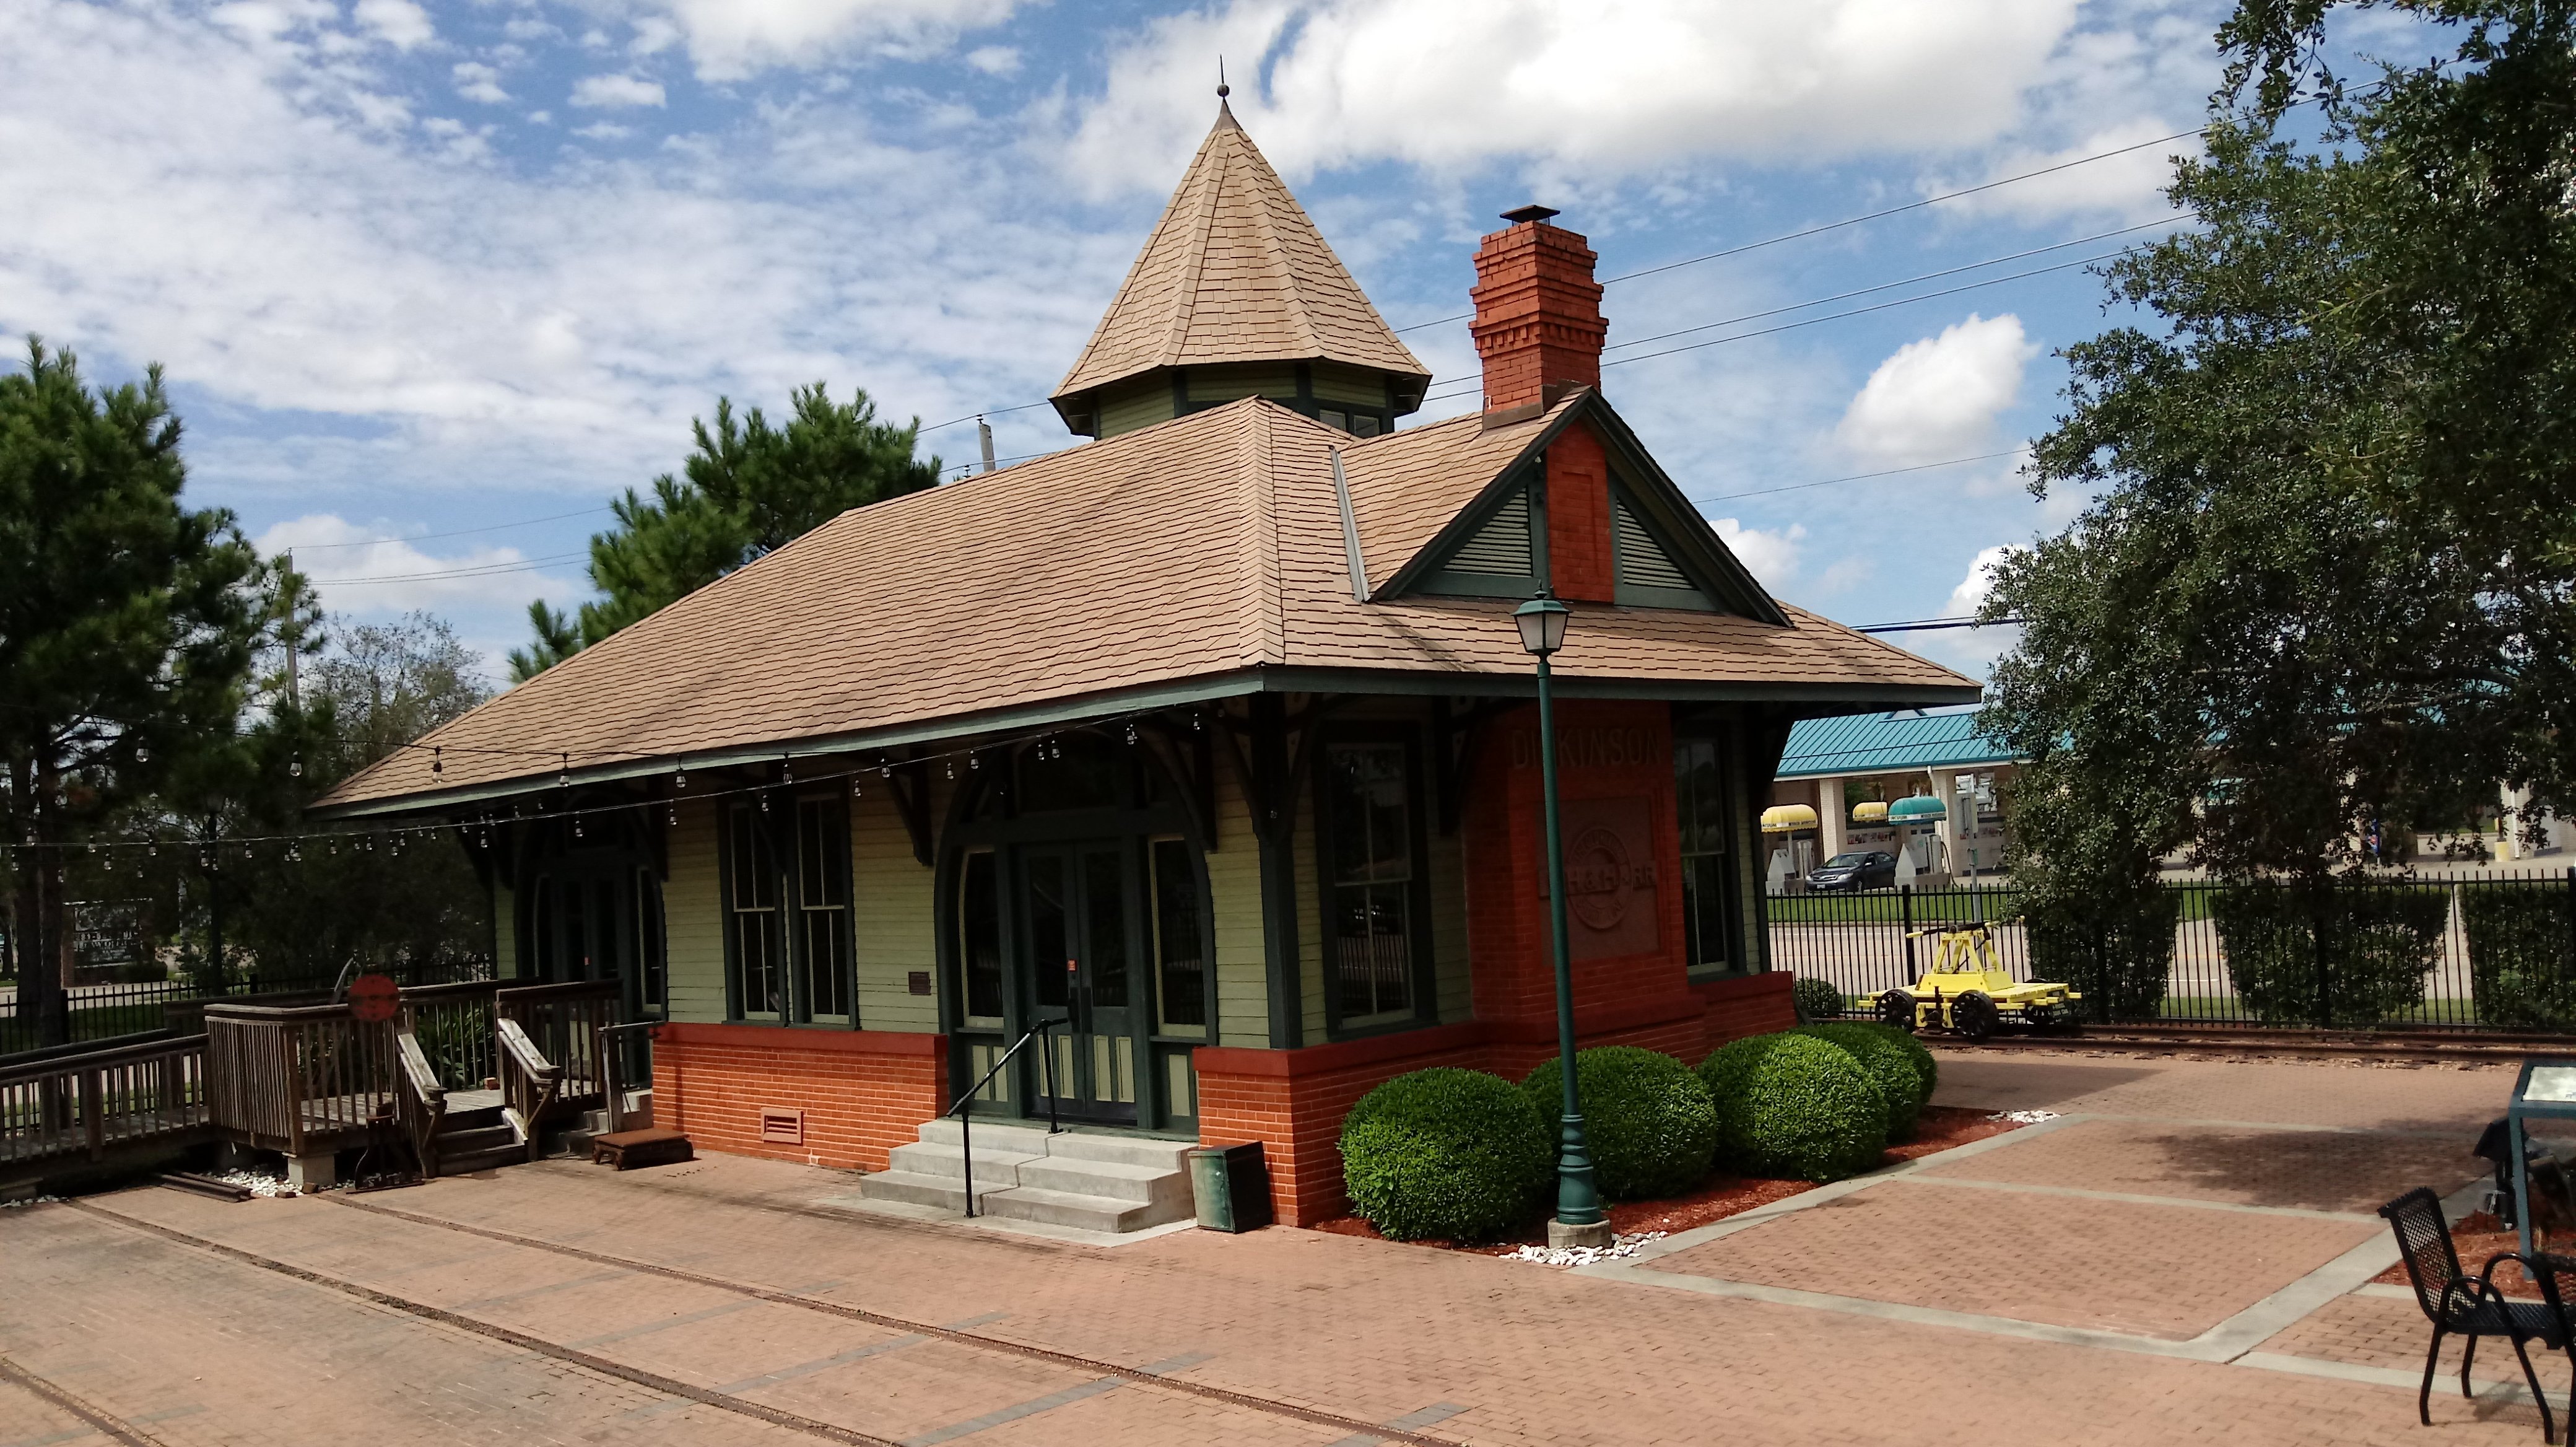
(2478,1236)
(1940,1128)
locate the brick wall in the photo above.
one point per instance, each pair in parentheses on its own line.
(1538,324)
(1582,563)
(863,1092)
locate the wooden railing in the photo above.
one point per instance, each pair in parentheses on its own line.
(530,1083)
(562,1023)
(454,1026)
(421,1104)
(282,1077)
(86,1105)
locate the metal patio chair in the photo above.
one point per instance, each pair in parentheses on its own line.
(2462,1305)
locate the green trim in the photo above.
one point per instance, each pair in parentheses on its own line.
(1424,982)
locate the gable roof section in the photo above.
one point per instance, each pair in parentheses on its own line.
(1198,558)
(1234,272)
(1423,537)
(1887,743)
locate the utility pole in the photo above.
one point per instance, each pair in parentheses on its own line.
(984,435)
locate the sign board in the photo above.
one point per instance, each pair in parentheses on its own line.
(372,997)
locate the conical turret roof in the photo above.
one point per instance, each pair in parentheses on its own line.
(1235,272)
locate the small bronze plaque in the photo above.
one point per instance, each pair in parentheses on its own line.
(918,981)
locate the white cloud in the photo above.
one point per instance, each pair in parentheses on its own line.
(2127,188)
(398,23)
(1939,398)
(1975,649)
(478,82)
(731,39)
(1771,554)
(1586,86)
(603,131)
(995,59)
(616,91)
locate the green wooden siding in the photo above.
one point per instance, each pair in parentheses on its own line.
(505,932)
(896,921)
(1141,408)
(1234,887)
(1336,384)
(693,917)
(1313,964)
(1226,384)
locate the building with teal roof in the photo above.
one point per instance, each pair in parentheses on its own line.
(1893,782)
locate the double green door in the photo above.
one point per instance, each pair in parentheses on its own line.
(1082,963)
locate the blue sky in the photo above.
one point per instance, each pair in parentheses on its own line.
(422,268)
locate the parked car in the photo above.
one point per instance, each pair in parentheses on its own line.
(1851,873)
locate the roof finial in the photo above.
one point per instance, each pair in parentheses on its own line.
(1222,89)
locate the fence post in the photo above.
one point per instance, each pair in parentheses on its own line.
(1905,908)
(2317,937)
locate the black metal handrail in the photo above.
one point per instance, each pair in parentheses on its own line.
(966,1118)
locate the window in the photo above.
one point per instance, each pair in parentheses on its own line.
(979,938)
(1711,940)
(1333,418)
(822,909)
(1372,873)
(541,928)
(1366,424)
(1180,949)
(751,915)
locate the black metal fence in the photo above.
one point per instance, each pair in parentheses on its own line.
(2494,951)
(112,1011)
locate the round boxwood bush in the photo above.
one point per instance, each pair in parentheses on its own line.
(1890,1067)
(1816,1000)
(1455,1154)
(1650,1123)
(1793,1105)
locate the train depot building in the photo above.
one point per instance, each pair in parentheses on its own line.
(1209,742)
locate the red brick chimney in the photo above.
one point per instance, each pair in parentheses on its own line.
(1538,315)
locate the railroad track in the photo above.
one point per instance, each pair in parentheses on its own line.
(1144,1377)
(2427,1046)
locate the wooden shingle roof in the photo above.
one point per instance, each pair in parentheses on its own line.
(1234,272)
(1198,558)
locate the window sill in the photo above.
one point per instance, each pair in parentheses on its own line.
(1369,1029)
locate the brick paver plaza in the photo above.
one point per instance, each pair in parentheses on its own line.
(2183,1255)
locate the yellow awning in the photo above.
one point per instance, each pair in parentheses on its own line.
(1787,818)
(1870,814)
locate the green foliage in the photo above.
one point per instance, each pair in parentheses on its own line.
(129,625)
(1794,1106)
(750,489)
(1453,1154)
(2374,943)
(1648,1119)
(2115,946)
(2327,576)
(1891,1067)
(1816,1000)
(2522,955)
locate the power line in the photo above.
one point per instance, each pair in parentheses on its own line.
(1866,476)
(1853,220)
(1926,625)
(480,570)
(971,416)
(457,533)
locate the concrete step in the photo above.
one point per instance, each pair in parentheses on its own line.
(926,1158)
(1128,1150)
(1109,1180)
(992,1136)
(913,1188)
(1066,1208)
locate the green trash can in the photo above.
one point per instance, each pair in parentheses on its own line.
(1232,1184)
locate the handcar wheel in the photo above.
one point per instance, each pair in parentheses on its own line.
(1974,1015)
(1897,1008)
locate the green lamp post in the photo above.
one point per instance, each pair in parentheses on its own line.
(1579,1220)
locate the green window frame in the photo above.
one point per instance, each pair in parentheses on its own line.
(1713,940)
(755,968)
(823,988)
(1373,876)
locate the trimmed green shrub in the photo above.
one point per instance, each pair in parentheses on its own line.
(1650,1122)
(2522,956)
(1927,1067)
(1816,1000)
(2114,946)
(1456,1154)
(1890,1067)
(1792,1105)
(2378,942)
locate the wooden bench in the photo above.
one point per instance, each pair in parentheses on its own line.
(629,1149)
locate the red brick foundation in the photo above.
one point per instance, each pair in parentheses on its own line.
(863,1092)
(1293,1101)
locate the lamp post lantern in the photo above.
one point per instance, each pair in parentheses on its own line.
(1579,1220)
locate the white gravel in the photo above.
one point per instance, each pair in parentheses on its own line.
(255,1183)
(1620,1247)
(29,1201)
(2024,1117)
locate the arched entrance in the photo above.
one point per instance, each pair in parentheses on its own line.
(589,907)
(1072,890)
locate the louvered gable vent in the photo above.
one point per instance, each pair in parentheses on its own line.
(1501,548)
(1643,563)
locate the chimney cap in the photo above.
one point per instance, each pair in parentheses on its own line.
(1531,212)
